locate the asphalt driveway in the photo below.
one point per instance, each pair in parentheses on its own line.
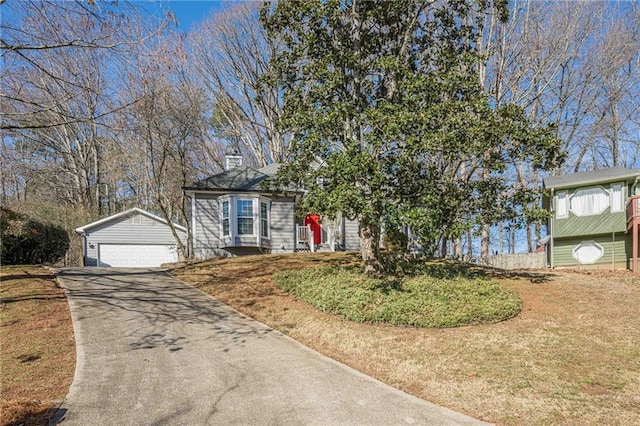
(153,350)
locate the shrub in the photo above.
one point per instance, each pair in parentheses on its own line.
(27,241)
(443,300)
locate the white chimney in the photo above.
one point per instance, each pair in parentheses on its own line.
(232,160)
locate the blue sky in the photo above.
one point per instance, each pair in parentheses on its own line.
(187,12)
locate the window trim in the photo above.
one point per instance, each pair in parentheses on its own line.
(588,243)
(604,190)
(266,226)
(227,218)
(252,217)
(562,213)
(622,186)
(233,201)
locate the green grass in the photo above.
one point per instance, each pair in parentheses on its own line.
(437,297)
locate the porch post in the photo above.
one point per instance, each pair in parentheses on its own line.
(634,251)
(312,244)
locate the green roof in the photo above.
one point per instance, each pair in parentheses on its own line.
(611,174)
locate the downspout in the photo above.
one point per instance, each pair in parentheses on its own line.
(84,250)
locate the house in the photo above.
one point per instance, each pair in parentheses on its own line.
(594,218)
(132,238)
(236,212)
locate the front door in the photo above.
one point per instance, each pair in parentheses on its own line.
(313,221)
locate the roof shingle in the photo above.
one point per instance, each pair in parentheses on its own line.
(610,174)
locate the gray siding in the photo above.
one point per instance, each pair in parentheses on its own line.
(351,235)
(208,241)
(283,226)
(135,229)
(206,238)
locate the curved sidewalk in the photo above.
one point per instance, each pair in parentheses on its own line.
(153,350)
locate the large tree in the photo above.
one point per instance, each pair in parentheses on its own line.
(159,143)
(390,123)
(563,63)
(230,53)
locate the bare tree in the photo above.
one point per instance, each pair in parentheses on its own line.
(161,135)
(616,59)
(32,32)
(569,67)
(230,54)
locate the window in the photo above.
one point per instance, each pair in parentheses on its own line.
(588,252)
(617,198)
(264,220)
(225,218)
(244,212)
(589,201)
(561,209)
(244,215)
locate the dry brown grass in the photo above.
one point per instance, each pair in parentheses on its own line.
(37,356)
(571,357)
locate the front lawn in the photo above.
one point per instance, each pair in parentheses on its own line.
(425,300)
(570,357)
(37,355)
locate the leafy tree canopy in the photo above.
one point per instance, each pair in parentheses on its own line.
(390,123)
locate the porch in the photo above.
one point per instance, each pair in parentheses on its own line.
(314,238)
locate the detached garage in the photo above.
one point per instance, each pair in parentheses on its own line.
(133,238)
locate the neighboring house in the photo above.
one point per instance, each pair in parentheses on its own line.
(594,220)
(133,238)
(235,213)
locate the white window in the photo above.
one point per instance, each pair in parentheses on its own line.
(264,220)
(589,201)
(244,212)
(561,208)
(244,216)
(617,198)
(588,252)
(225,218)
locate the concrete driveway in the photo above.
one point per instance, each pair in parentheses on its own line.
(153,350)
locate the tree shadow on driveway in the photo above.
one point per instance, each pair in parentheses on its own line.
(153,308)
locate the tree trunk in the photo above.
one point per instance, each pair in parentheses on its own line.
(182,255)
(457,248)
(369,239)
(484,241)
(444,247)
(530,240)
(614,135)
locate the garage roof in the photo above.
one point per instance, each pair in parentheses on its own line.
(126,213)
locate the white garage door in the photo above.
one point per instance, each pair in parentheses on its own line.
(136,255)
